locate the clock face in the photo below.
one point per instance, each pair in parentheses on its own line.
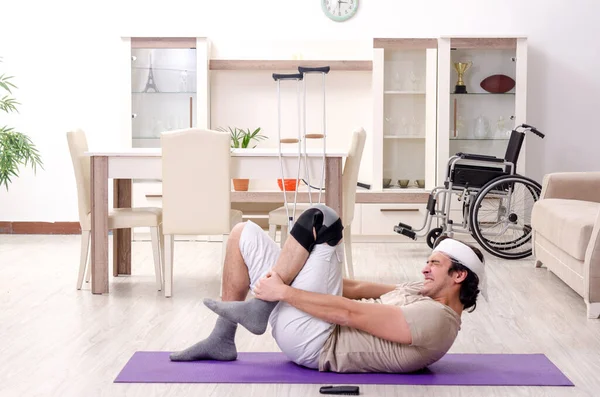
(339,10)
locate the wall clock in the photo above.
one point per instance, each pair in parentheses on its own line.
(339,10)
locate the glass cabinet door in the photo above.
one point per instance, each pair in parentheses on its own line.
(482,93)
(481,120)
(409,115)
(163,92)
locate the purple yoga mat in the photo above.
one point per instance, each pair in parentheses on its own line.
(452,369)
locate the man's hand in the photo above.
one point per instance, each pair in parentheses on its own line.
(270,288)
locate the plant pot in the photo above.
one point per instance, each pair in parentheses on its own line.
(240,185)
(290,184)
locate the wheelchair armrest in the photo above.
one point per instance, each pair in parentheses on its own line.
(479,157)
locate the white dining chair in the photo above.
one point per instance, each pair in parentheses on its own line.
(118,218)
(196,189)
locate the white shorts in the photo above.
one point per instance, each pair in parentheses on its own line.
(299,335)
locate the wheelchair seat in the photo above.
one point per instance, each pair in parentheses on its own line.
(476,176)
(473,176)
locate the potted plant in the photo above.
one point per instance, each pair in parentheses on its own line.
(16,148)
(241,139)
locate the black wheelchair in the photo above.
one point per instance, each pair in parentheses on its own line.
(496,201)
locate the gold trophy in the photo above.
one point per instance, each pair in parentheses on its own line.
(461,68)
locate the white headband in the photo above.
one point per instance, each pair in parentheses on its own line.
(465,255)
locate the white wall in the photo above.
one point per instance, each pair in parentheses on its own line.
(64,60)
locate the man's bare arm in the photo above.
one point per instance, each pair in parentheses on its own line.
(383,321)
(354,289)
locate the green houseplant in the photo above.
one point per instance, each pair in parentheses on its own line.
(16,148)
(241,139)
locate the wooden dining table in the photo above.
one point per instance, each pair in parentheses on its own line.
(125,165)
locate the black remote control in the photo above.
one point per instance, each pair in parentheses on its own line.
(345,390)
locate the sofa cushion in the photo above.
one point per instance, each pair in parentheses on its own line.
(566,223)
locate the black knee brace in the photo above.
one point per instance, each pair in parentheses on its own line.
(324,220)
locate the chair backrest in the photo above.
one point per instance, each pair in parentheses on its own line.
(350,174)
(81,165)
(514,148)
(196,182)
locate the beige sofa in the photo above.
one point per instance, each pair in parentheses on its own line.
(566,232)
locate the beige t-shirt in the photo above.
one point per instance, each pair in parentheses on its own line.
(433,328)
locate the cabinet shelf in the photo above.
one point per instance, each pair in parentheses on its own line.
(163,92)
(249,64)
(478,139)
(392,92)
(484,93)
(398,189)
(403,137)
(169,69)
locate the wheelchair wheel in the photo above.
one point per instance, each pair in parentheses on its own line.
(500,216)
(525,237)
(433,235)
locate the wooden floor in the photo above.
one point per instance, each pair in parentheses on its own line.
(57,341)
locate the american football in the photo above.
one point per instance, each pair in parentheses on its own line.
(498,84)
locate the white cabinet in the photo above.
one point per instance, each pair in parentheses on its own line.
(418,119)
(404,114)
(380,219)
(480,119)
(167,87)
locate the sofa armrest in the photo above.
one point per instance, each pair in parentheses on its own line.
(583,186)
(591,266)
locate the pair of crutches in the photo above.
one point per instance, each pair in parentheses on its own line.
(302,137)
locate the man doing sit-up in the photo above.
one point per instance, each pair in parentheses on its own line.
(322,321)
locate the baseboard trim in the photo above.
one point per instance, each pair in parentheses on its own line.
(40,228)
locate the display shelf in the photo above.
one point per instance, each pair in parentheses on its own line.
(405,82)
(251,64)
(393,92)
(161,69)
(485,93)
(403,137)
(398,189)
(479,121)
(479,139)
(163,92)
